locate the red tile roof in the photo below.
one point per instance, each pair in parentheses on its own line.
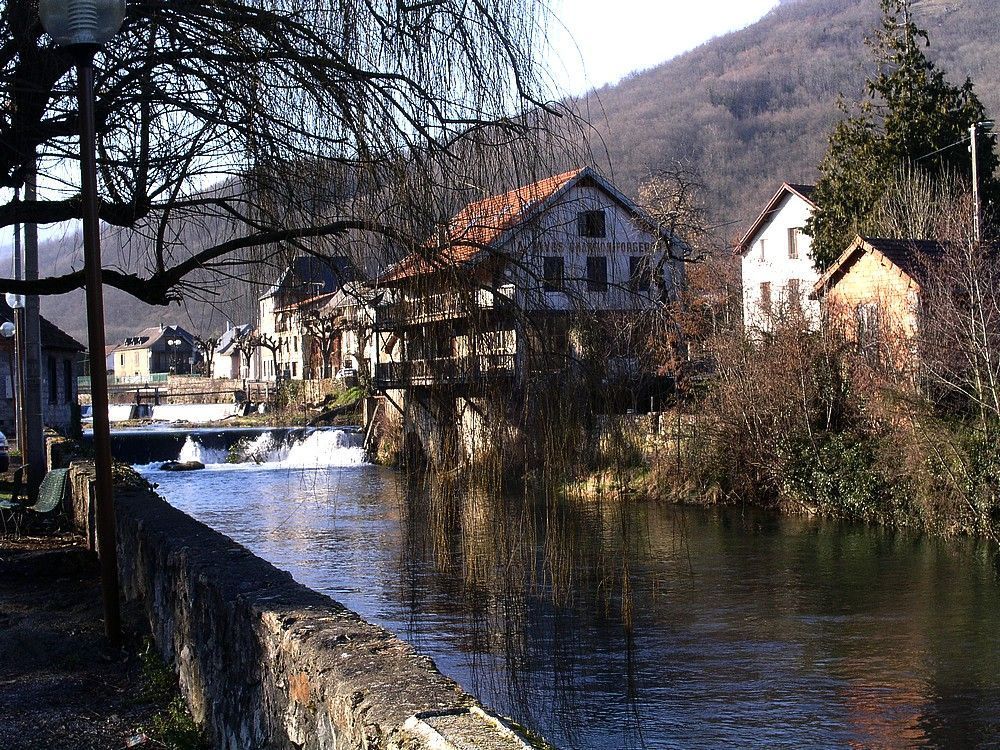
(479,225)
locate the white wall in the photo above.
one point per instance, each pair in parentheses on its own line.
(772,264)
(555,233)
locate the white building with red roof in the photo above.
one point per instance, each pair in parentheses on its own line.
(496,300)
(775,261)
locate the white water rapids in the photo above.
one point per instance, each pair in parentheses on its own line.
(315,450)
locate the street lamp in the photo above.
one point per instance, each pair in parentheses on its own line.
(82,27)
(173,344)
(16,330)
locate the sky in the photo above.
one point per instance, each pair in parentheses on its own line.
(600,41)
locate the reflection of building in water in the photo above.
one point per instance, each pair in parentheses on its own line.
(533,288)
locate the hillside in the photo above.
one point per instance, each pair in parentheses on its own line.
(753,108)
(748,110)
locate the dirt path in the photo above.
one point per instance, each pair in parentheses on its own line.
(60,685)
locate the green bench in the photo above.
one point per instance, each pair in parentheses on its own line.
(51,492)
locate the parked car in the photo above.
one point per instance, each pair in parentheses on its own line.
(4,453)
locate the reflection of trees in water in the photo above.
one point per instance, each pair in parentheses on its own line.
(535,572)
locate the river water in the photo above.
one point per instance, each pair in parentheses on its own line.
(605,626)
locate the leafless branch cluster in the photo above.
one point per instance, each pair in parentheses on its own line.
(232,130)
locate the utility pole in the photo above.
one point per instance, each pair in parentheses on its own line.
(33,452)
(977,208)
(18,309)
(974,132)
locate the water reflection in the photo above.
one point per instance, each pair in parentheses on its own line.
(608,624)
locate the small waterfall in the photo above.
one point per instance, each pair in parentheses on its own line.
(312,450)
(193,450)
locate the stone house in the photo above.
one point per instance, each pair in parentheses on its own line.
(507,298)
(60,364)
(160,349)
(305,281)
(872,293)
(775,263)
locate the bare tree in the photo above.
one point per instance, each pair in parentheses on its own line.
(207,347)
(324,330)
(231,130)
(266,341)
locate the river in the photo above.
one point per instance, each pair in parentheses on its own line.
(605,626)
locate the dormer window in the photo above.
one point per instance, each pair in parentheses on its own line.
(591,224)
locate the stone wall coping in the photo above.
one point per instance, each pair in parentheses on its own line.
(263,661)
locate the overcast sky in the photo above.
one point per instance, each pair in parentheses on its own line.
(600,41)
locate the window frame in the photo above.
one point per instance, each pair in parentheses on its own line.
(597,283)
(592,224)
(793,242)
(553,283)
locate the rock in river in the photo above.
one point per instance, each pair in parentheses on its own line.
(182,466)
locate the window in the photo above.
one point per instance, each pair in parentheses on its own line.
(639,273)
(53,381)
(552,273)
(793,243)
(591,224)
(793,293)
(597,273)
(761,243)
(295,369)
(765,296)
(68,380)
(123,360)
(868,322)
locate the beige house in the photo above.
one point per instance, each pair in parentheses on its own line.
(161,349)
(288,344)
(873,290)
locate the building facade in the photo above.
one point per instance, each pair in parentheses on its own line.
(61,357)
(160,349)
(521,290)
(776,265)
(287,344)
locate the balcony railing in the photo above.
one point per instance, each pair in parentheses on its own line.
(442,306)
(444,371)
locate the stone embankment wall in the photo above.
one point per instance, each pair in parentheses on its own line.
(267,663)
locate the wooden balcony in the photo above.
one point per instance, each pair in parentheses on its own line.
(444,371)
(442,306)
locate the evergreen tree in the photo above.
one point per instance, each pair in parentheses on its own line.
(912,117)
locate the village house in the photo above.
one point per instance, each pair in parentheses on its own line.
(286,342)
(775,262)
(872,293)
(61,355)
(156,350)
(340,327)
(227,359)
(504,297)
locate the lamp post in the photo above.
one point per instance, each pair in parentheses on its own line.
(16,303)
(82,27)
(173,344)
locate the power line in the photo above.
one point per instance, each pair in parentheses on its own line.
(944,148)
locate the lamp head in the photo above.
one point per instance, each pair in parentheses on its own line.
(7,330)
(81,23)
(14,301)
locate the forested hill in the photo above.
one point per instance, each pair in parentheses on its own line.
(754,107)
(747,110)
